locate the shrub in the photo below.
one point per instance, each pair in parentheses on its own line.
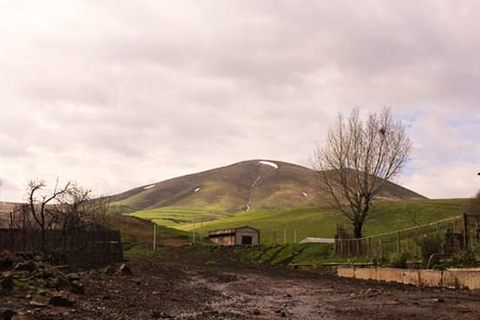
(464,259)
(429,244)
(399,260)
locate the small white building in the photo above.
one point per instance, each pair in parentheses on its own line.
(245,235)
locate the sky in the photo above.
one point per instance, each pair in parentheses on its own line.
(120,94)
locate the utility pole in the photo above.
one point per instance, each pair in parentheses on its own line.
(194,230)
(154,236)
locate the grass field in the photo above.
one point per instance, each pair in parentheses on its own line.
(307,222)
(179,218)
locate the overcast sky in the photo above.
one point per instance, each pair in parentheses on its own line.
(119,94)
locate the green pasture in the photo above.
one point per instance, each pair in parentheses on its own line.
(179,218)
(278,225)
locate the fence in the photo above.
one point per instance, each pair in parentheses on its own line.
(98,246)
(454,234)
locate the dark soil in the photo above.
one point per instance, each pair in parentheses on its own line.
(190,289)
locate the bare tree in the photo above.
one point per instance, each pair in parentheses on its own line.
(473,205)
(39,205)
(358,159)
(73,211)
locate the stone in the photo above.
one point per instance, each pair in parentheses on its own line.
(37,304)
(60,301)
(20,316)
(6,260)
(6,281)
(29,266)
(77,287)
(125,270)
(73,277)
(6,314)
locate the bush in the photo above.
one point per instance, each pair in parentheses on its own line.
(399,260)
(464,259)
(429,244)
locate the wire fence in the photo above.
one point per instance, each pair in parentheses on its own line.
(451,235)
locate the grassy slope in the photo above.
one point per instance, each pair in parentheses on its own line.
(228,189)
(387,215)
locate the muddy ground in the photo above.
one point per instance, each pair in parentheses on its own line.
(161,289)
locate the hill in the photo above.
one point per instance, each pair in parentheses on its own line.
(244,186)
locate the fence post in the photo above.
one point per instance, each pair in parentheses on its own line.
(284,236)
(381,248)
(438,229)
(398,242)
(465,231)
(274,236)
(368,246)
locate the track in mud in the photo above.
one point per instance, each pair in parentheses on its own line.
(161,290)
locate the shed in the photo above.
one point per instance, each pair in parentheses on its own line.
(235,236)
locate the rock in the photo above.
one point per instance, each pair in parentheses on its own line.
(439,300)
(20,316)
(63,268)
(125,270)
(6,281)
(29,266)
(37,304)
(54,282)
(48,272)
(73,277)
(6,314)
(6,260)
(60,301)
(77,287)
(256,312)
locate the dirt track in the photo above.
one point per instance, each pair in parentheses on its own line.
(177,291)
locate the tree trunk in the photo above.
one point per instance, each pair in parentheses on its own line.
(357,229)
(357,242)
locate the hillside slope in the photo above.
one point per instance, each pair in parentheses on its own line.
(247,185)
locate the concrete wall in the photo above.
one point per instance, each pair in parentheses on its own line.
(450,278)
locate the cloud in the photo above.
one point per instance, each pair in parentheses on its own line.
(120,94)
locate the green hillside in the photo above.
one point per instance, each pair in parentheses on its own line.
(245,186)
(387,215)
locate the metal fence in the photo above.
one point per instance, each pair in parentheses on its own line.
(453,234)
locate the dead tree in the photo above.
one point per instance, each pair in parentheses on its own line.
(73,212)
(358,160)
(40,205)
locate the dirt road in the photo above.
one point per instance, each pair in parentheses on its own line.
(159,290)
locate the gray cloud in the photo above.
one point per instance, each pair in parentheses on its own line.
(118,94)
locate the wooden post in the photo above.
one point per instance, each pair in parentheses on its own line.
(193,230)
(154,236)
(465,231)
(274,236)
(381,248)
(294,236)
(368,246)
(284,236)
(398,242)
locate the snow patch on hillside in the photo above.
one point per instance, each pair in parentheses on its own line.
(196,189)
(268,163)
(149,187)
